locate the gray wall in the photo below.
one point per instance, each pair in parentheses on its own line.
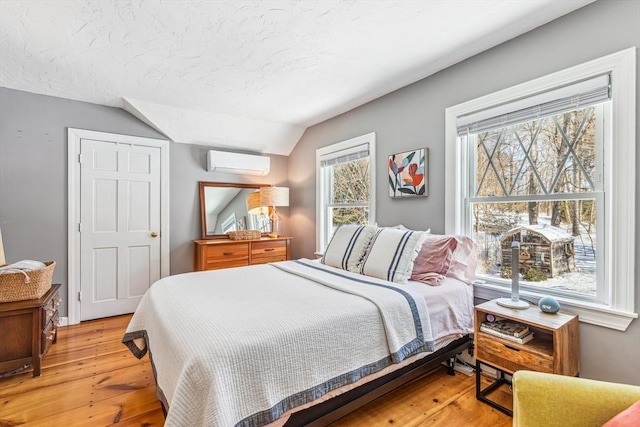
(413,117)
(33,171)
(33,178)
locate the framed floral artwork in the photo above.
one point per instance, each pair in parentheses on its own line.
(408,175)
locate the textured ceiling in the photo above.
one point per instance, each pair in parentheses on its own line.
(249,75)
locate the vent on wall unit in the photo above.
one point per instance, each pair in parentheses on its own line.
(237,163)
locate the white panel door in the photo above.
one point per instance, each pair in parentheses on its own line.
(119,226)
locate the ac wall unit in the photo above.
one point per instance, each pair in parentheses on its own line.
(237,163)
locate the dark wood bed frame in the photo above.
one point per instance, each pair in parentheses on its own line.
(339,406)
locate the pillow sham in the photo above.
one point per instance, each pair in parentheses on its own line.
(391,254)
(434,259)
(445,256)
(402,227)
(463,262)
(348,246)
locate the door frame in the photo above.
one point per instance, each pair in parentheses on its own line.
(74,138)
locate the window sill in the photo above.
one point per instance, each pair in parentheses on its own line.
(592,313)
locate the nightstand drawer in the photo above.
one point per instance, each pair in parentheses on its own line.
(263,252)
(50,308)
(49,333)
(510,357)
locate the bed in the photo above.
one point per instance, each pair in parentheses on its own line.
(290,342)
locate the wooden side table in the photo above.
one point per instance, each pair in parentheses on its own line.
(553,349)
(27,330)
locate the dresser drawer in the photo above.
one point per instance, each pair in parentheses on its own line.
(511,358)
(49,333)
(263,252)
(224,256)
(50,308)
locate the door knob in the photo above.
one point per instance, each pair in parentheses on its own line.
(154,234)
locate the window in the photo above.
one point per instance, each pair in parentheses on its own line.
(537,179)
(260,221)
(345,186)
(535,163)
(229,224)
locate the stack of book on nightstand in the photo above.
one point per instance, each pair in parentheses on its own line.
(508,330)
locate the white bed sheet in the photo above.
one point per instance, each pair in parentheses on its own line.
(450,306)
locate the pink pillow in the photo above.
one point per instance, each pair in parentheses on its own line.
(434,259)
(627,418)
(463,262)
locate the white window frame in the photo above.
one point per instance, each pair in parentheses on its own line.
(229,224)
(259,222)
(322,196)
(619,184)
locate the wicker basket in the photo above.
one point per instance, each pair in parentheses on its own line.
(14,288)
(244,234)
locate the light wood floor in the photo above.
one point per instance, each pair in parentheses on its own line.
(89,378)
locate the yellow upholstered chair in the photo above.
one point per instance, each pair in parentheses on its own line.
(549,400)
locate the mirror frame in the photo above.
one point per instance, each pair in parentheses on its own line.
(204,184)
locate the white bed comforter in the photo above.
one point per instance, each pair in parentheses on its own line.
(242,346)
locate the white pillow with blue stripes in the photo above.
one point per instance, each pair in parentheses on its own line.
(391,254)
(348,246)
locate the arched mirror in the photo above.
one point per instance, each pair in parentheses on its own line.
(228,207)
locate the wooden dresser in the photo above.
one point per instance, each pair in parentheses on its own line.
(225,253)
(27,331)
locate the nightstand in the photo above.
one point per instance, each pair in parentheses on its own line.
(27,330)
(553,349)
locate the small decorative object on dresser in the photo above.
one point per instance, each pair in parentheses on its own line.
(408,174)
(244,234)
(550,343)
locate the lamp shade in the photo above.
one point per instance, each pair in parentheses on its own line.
(253,204)
(274,196)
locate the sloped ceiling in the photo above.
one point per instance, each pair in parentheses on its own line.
(249,75)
